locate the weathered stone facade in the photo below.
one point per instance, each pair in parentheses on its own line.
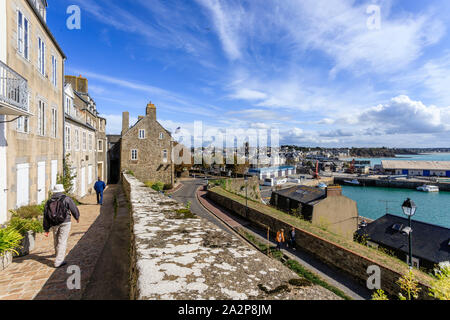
(31,152)
(146,148)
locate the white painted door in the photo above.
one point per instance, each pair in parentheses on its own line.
(90,174)
(41,182)
(23,185)
(83,182)
(3,181)
(54,173)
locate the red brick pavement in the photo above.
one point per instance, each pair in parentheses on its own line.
(34,277)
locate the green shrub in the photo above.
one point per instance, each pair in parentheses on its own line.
(157,186)
(24,225)
(130,173)
(168,186)
(441,286)
(9,240)
(29,212)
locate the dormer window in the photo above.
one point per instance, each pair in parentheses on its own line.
(41,8)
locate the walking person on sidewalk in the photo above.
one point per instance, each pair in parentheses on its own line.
(280,238)
(99,187)
(57,217)
(292,239)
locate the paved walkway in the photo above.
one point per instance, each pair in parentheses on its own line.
(34,277)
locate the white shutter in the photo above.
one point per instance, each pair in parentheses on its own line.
(23,185)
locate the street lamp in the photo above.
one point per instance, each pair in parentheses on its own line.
(409,209)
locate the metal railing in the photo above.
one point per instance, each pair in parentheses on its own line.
(13,88)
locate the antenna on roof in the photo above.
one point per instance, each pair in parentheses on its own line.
(387,204)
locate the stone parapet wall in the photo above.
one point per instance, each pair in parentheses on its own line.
(332,254)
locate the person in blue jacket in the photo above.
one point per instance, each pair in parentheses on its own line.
(99,187)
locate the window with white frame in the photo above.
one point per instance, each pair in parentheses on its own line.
(68,138)
(41,118)
(84,140)
(23,124)
(165,155)
(68,105)
(54,122)
(23,31)
(161,136)
(77,140)
(54,73)
(141,133)
(41,56)
(100,145)
(134,154)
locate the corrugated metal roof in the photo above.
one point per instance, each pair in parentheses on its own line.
(416,165)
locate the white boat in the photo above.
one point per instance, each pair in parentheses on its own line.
(428,188)
(322,186)
(354,181)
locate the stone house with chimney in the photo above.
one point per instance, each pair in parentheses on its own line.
(324,208)
(146,148)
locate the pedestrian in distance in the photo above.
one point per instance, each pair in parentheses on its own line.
(99,187)
(280,239)
(292,239)
(57,217)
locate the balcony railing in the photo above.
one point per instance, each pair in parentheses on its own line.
(13,88)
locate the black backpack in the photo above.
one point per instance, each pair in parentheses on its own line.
(56,210)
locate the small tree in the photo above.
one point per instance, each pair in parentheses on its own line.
(441,286)
(66,178)
(408,285)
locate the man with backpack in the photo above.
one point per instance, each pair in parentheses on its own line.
(57,217)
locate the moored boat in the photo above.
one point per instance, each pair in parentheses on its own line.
(428,188)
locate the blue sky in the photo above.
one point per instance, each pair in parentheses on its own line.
(313,69)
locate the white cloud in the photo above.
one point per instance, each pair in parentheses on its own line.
(403,115)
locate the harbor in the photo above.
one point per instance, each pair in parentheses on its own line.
(374,202)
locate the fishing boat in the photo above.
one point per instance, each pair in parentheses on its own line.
(354,182)
(428,188)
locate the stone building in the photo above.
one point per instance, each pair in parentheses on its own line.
(31,105)
(325,208)
(146,148)
(113,158)
(102,150)
(83,131)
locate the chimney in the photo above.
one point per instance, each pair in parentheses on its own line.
(151,111)
(334,191)
(125,122)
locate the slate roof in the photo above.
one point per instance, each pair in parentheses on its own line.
(429,242)
(302,194)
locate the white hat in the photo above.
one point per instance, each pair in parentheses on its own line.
(59,188)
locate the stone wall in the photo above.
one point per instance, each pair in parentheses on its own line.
(332,254)
(188,258)
(237,186)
